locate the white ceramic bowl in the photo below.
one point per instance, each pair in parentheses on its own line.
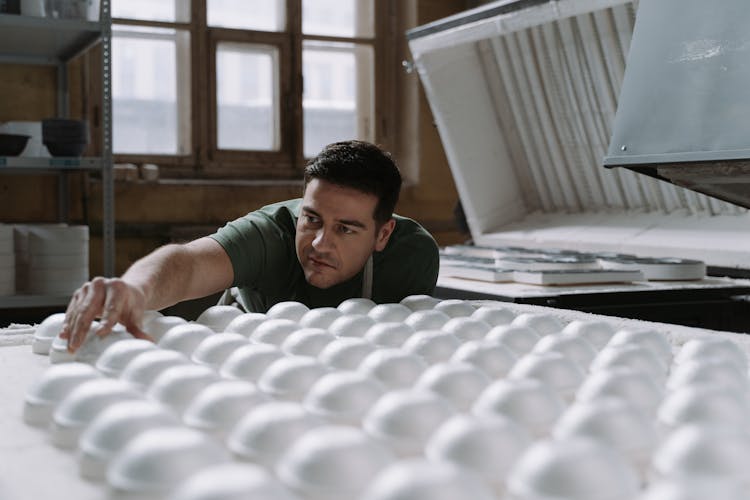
(46,332)
(249,361)
(345,353)
(427,320)
(433,346)
(51,387)
(419,479)
(289,378)
(712,371)
(543,324)
(575,468)
(343,397)
(185,338)
(93,346)
(419,302)
(704,404)
(274,331)
(519,339)
(553,369)
(388,313)
(693,489)
(116,357)
(404,419)
(351,325)
(455,308)
(709,348)
(704,451)
(157,327)
(307,342)
(215,349)
(232,482)
(493,358)
(178,385)
(76,410)
(530,402)
(389,334)
(466,328)
(218,406)
(320,317)
(113,428)
(459,383)
(577,349)
(149,316)
(657,342)
(245,324)
(393,367)
(267,430)
(288,310)
(332,463)
(598,333)
(159,459)
(218,317)
(636,388)
(494,315)
(488,445)
(613,422)
(356,306)
(636,357)
(143,369)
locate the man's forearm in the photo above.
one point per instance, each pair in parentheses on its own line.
(164,276)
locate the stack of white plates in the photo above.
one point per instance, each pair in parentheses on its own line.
(7,261)
(53,259)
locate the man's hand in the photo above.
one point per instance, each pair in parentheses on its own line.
(111,299)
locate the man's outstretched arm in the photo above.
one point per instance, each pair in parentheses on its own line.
(168,275)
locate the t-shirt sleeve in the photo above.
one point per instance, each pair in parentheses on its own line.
(259,248)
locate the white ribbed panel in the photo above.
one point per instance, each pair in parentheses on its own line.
(555,89)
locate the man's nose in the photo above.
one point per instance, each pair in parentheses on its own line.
(322,241)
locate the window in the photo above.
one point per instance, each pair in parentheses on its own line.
(225,88)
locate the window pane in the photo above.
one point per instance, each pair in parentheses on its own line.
(338,17)
(261,15)
(152,10)
(338,98)
(247,93)
(150,103)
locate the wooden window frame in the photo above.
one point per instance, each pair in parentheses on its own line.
(205,160)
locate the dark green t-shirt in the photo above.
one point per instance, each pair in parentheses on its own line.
(266,270)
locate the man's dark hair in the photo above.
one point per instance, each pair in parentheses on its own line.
(362,166)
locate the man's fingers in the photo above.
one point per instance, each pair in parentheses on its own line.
(140,334)
(87,310)
(113,304)
(70,313)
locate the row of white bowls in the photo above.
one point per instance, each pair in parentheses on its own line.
(423,399)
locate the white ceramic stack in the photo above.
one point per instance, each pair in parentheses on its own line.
(7,261)
(52,259)
(34,147)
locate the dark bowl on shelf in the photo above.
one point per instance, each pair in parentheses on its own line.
(65,148)
(64,130)
(12,144)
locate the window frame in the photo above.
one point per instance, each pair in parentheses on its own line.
(205,159)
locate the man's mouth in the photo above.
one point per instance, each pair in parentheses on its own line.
(321,263)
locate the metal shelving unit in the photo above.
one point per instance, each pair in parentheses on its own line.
(46,41)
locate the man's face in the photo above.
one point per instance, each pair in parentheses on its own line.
(336,232)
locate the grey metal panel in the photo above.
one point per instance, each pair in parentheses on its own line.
(686,92)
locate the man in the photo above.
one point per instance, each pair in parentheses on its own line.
(341,240)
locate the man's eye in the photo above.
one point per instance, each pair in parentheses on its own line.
(346,230)
(311,219)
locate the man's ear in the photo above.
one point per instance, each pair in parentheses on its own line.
(384,234)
